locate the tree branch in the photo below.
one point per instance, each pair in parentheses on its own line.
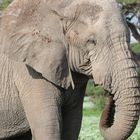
(134,31)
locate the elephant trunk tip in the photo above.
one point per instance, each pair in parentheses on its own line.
(107,117)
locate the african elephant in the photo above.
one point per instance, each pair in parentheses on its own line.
(48,51)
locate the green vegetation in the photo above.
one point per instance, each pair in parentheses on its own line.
(97,94)
(128,1)
(94,90)
(91,112)
(136,48)
(4,4)
(90,108)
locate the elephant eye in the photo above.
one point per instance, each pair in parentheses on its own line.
(92,41)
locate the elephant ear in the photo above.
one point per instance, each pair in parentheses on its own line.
(43,54)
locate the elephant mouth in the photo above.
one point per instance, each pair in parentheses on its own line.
(105,84)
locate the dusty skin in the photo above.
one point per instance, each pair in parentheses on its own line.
(48,51)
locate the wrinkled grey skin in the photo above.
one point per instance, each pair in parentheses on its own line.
(48,50)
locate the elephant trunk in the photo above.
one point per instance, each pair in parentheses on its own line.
(124,121)
(125,97)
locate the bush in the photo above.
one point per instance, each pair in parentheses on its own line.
(98,95)
(99,102)
(135,48)
(127,1)
(92,90)
(4,4)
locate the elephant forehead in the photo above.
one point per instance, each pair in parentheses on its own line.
(90,9)
(100,2)
(84,9)
(98,5)
(89,12)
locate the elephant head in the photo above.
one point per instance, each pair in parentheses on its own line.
(85,36)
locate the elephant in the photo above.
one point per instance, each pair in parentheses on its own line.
(49,49)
